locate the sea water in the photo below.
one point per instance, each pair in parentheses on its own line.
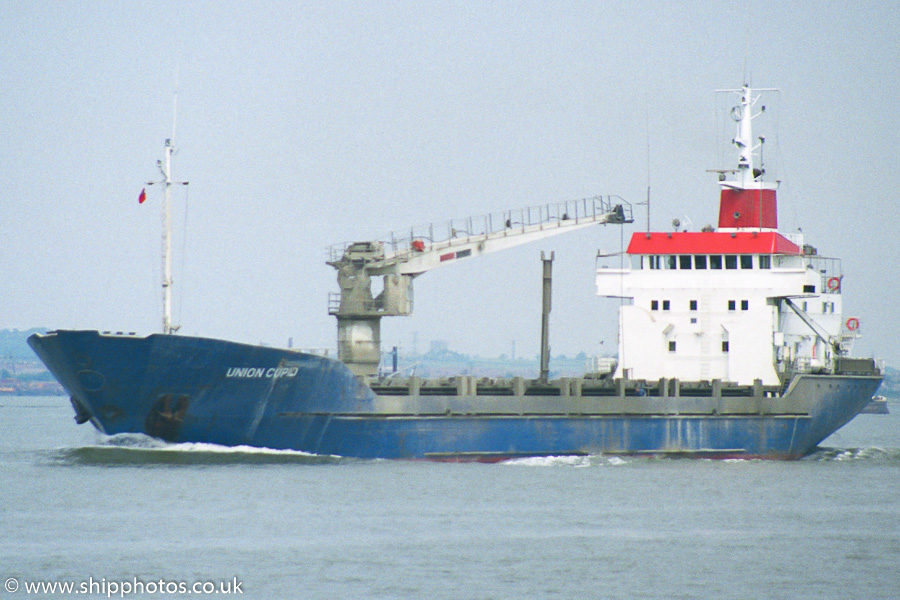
(129,516)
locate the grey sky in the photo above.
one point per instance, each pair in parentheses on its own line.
(303,124)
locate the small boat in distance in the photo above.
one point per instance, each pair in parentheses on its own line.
(876,406)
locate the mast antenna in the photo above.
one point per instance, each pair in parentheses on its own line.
(647,201)
(648,170)
(175,104)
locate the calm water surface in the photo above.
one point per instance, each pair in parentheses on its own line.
(81,508)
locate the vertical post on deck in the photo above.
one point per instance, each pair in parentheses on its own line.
(545,317)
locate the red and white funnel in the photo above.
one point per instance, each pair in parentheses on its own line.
(746,202)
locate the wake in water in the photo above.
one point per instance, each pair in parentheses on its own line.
(593,460)
(874,454)
(870,455)
(142,450)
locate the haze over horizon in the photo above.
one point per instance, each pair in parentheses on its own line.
(304,125)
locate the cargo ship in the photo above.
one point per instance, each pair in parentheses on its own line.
(731,343)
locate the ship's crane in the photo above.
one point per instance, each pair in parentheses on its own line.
(399,259)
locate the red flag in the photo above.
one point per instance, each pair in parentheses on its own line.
(143,196)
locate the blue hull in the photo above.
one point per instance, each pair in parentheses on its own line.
(186,389)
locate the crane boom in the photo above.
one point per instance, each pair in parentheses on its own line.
(415,259)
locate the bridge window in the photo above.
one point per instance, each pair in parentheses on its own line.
(765,261)
(746,261)
(700,261)
(715,262)
(684,261)
(730,261)
(656,262)
(670,262)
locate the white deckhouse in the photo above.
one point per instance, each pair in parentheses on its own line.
(740,303)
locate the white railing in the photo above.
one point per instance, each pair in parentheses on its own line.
(511,222)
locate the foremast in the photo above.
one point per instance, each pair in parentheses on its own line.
(165,168)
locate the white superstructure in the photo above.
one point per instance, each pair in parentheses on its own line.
(739,303)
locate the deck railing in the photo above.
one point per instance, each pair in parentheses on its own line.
(511,222)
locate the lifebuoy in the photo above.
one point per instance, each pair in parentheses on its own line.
(834,284)
(852,323)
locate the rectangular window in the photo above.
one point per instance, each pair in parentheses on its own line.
(746,261)
(765,261)
(732,305)
(700,261)
(730,261)
(725,346)
(693,320)
(715,262)
(654,305)
(665,305)
(809,289)
(745,305)
(671,346)
(670,262)
(684,261)
(693,305)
